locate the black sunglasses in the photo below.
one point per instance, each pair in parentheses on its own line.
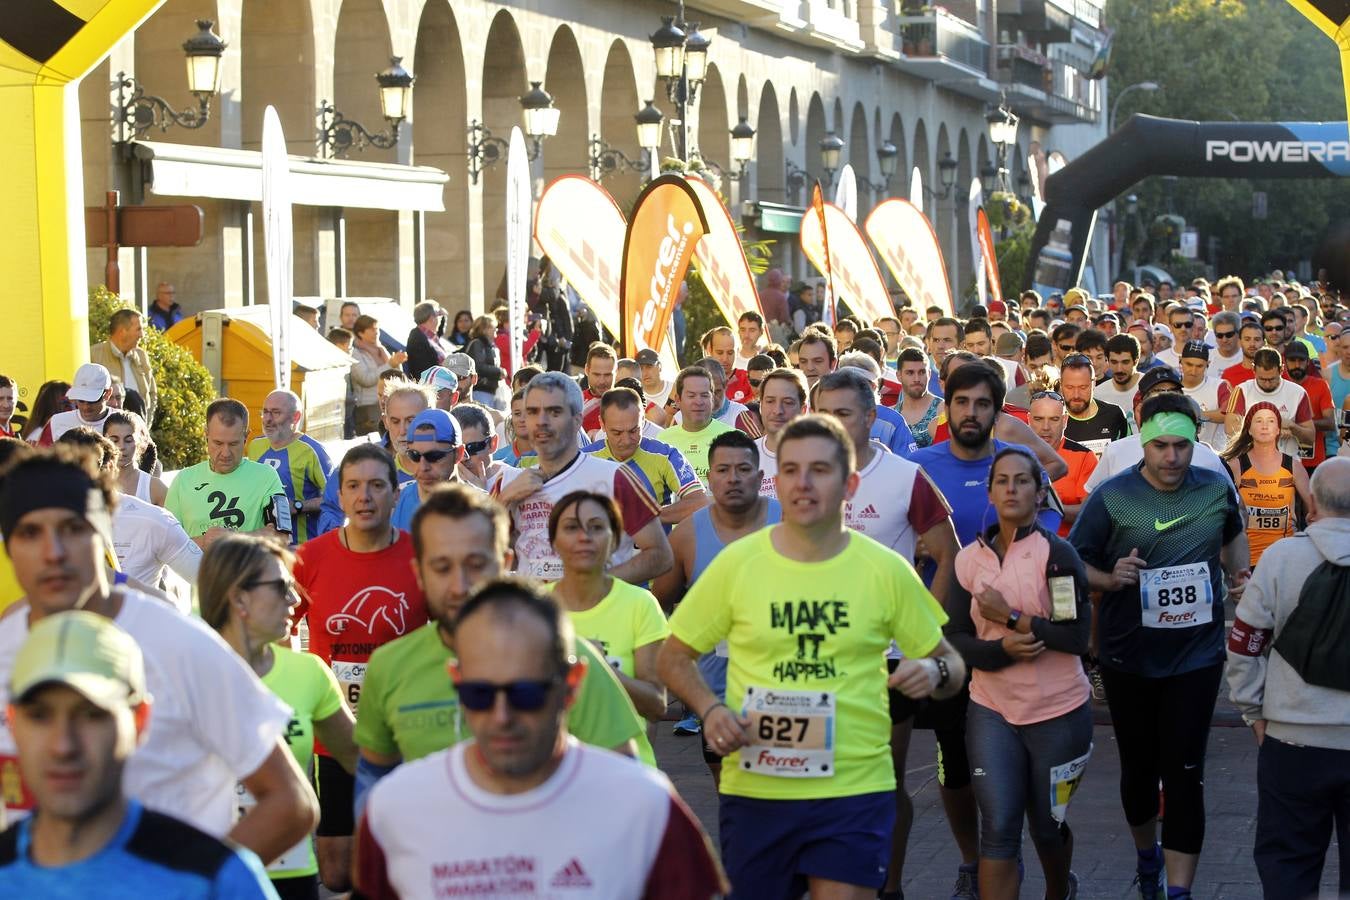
(1066,348)
(1177,326)
(473,448)
(431,456)
(755,382)
(284,586)
(1047,395)
(1224,335)
(1274,327)
(523,695)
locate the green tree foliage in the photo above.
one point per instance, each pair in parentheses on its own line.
(1232,60)
(185,386)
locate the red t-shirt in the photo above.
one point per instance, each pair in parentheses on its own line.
(1237,374)
(590,412)
(1319,398)
(738,387)
(356,603)
(890,392)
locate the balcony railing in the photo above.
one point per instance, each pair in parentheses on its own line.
(1023,67)
(936,33)
(1075,92)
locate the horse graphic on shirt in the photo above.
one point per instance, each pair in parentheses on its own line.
(368,608)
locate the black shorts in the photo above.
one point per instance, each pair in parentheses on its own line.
(336,789)
(303,887)
(947,720)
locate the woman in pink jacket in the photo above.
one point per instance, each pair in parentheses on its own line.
(1021,618)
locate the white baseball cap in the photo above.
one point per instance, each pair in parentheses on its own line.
(91,383)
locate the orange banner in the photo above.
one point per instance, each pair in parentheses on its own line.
(857,280)
(666,224)
(587,256)
(904,237)
(721,258)
(986,237)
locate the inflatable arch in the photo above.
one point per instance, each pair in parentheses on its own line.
(1146,145)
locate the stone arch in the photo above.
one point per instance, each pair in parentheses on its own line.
(899,186)
(619,102)
(922,160)
(942,211)
(504,82)
(860,157)
(438,140)
(714,132)
(160,66)
(794,117)
(770,165)
(964,265)
(816,129)
(277,47)
(565,79)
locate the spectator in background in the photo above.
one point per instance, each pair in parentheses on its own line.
(9,392)
(459,332)
(424,341)
(309,315)
(348,313)
(773,298)
(587,332)
(482,349)
(164,312)
(122,355)
(503,339)
(369,359)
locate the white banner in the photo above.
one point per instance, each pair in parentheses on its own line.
(975,200)
(916,189)
(846,193)
(519,220)
(278,243)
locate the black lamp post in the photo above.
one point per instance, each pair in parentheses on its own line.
(135,112)
(682,63)
(541,121)
(338,134)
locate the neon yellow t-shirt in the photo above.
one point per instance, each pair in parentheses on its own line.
(311,690)
(627,618)
(819,627)
(200,498)
(694,444)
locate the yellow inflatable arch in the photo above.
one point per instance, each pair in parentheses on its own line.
(1332,18)
(46,47)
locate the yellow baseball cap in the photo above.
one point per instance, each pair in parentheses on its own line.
(84,651)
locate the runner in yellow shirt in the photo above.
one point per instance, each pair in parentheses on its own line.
(808,609)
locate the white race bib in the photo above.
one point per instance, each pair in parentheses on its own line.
(296,858)
(1176,596)
(350,675)
(1261,518)
(791,733)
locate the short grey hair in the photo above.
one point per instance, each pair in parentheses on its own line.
(557,381)
(425,310)
(1230,319)
(1331,488)
(849,378)
(395,388)
(856,359)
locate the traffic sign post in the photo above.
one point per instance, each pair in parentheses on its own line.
(112,227)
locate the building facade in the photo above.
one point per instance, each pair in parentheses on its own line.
(408,222)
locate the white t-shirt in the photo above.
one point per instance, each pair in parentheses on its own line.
(1289,398)
(146,538)
(212,722)
(430,831)
(62,422)
(1218,364)
(768,464)
(660,397)
(881,505)
(1210,395)
(1127,452)
(534,554)
(1109,392)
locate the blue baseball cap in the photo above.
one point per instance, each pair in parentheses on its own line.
(446,428)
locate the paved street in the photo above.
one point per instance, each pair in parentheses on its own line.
(1103,853)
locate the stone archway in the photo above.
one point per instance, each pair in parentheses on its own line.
(504,81)
(860,157)
(714,132)
(565,79)
(619,102)
(770,166)
(439,116)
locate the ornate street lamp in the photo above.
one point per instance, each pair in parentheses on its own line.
(338,135)
(541,121)
(135,112)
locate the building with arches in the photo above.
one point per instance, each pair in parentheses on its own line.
(408,222)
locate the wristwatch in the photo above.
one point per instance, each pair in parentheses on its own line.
(1013,618)
(297,505)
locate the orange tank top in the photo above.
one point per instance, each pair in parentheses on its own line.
(1269,499)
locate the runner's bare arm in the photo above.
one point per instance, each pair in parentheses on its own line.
(286,811)
(1015,431)
(652,559)
(1304,432)
(675,665)
(645,688)
(1237,562)
(670,587)
(336,734)
(919,678)
(941,546)
(1124,572)
(686,506)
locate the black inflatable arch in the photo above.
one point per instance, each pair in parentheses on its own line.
(1147,145)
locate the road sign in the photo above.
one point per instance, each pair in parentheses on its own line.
(112,226)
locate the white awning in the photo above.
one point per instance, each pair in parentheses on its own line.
(179,170)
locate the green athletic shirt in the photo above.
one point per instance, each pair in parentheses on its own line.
(694,444)
(409,707)
(627,618)
(200,498)
(310,689)
(820,626)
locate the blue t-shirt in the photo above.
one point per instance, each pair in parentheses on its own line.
(331,514)
(965,485)
(151,855)
(893,431)
(407,504)
(304,468)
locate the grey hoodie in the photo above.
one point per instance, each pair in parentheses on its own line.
(1262,684)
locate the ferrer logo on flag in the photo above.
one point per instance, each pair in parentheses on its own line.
(666,224)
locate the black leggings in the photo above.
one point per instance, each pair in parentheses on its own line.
(1162,729)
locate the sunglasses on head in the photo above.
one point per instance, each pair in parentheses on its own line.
(1047,395)
(473,448)
(431,456)
(524,695)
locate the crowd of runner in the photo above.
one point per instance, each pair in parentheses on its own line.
(434,666)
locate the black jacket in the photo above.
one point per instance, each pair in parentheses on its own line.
(421,355)
(485,361)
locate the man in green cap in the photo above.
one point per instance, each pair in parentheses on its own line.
(80,708)
(1158,540)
